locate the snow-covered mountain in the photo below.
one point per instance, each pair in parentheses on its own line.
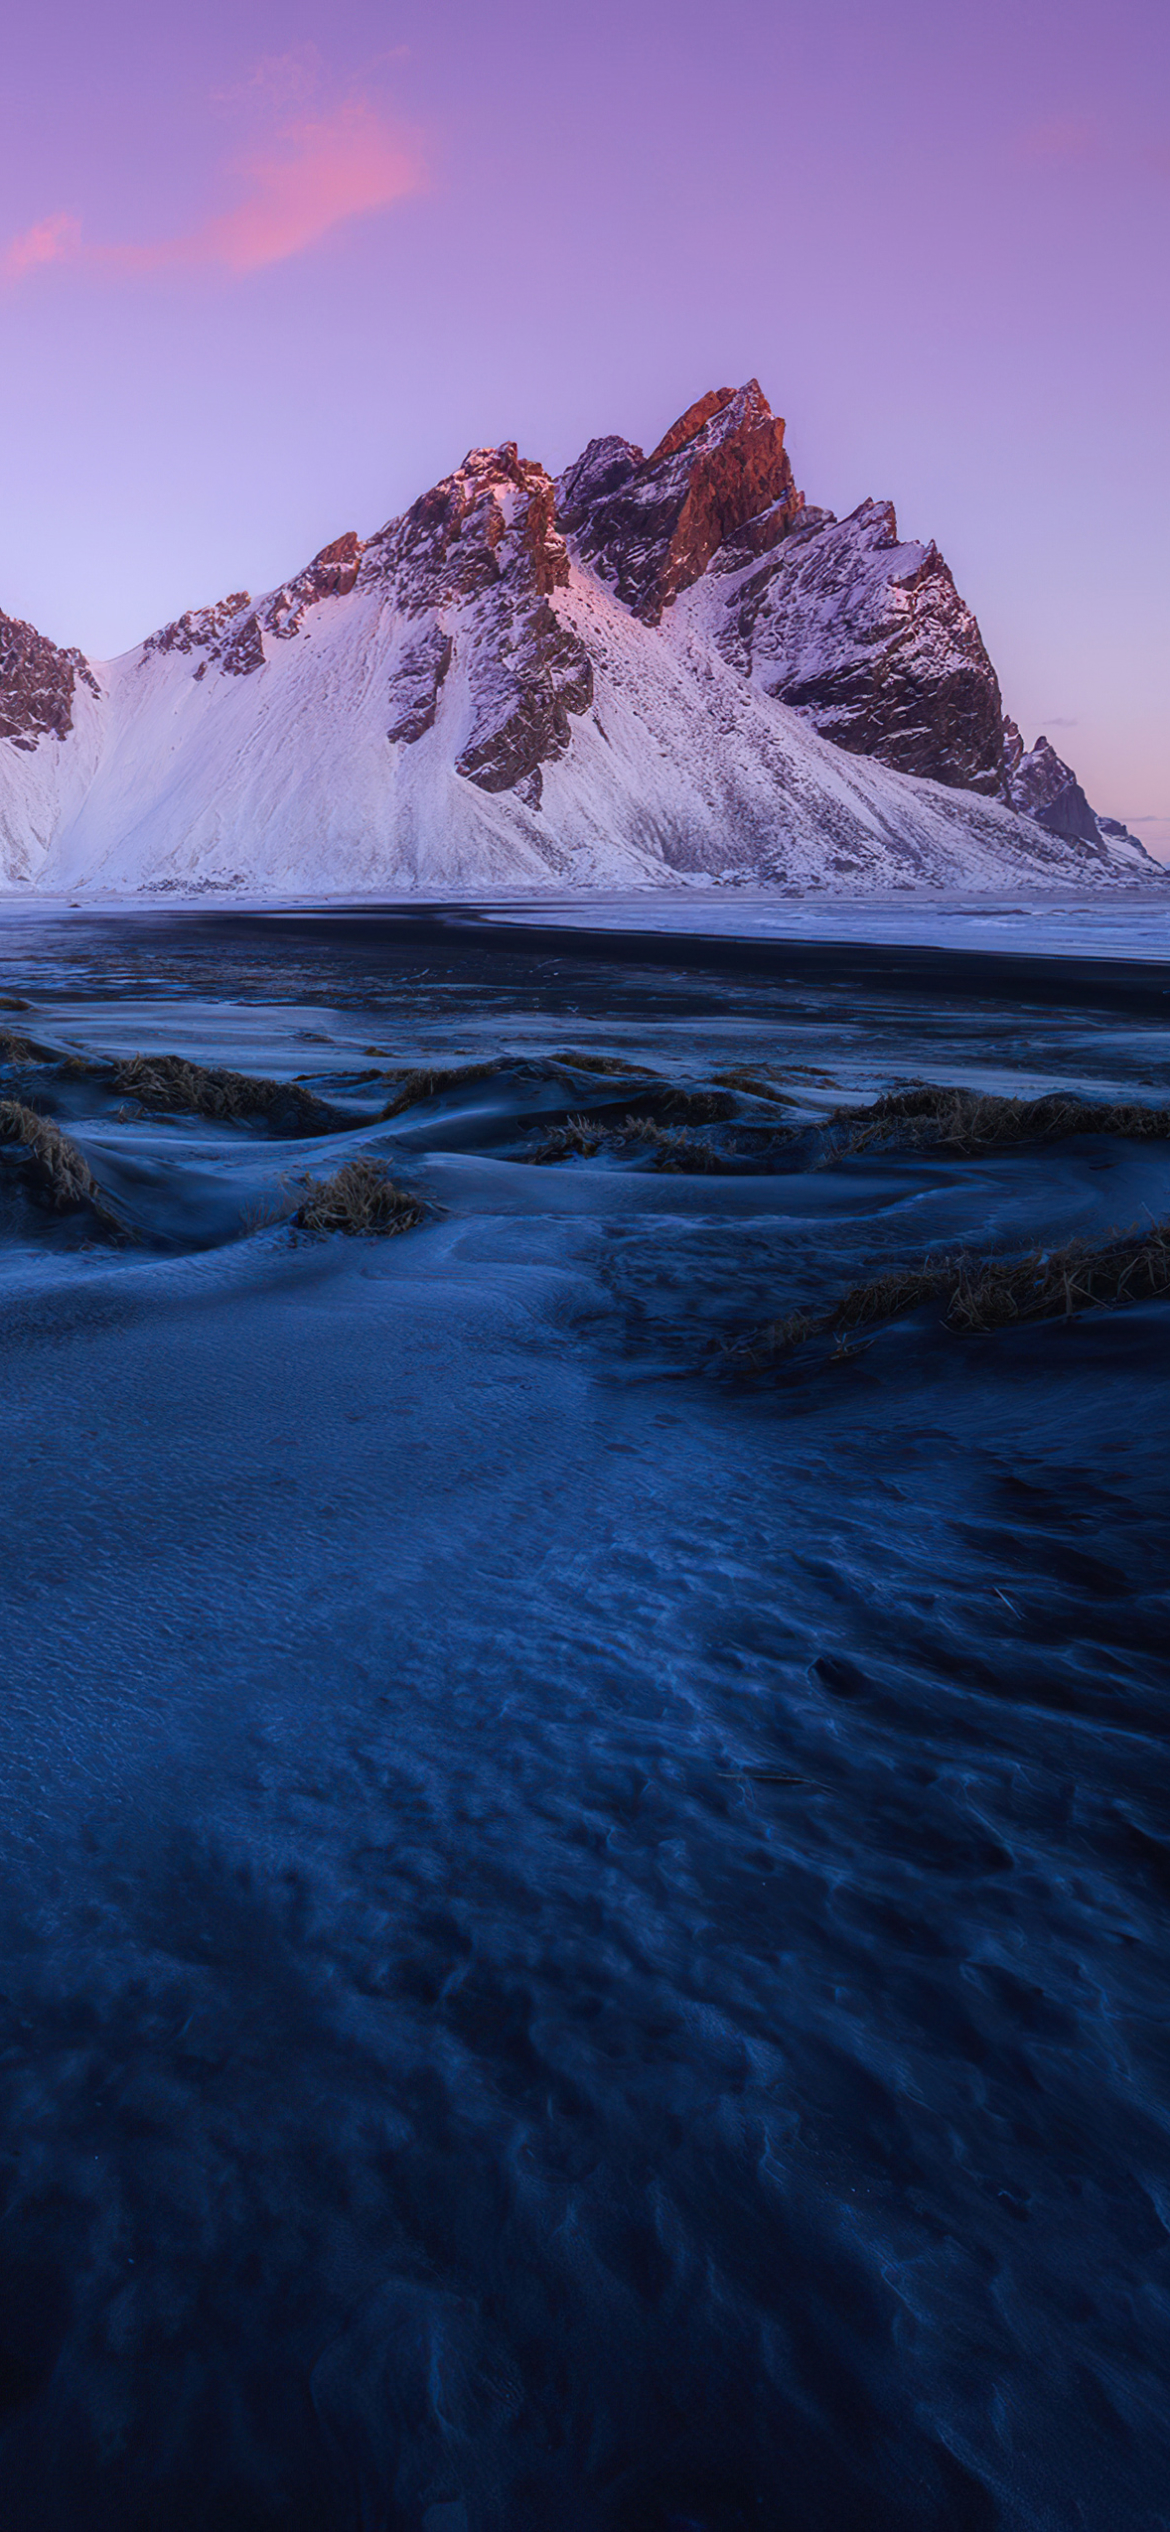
(656,668)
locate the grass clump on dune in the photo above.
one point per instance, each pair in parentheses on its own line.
(417,1086)
(617,1065)
(980,1121)
(980,1295)
(22,1050)
(172,1083)
(55,1172)
(698,1107)
(671,1147)
(579,1138)
(746,1078)
(360,1197)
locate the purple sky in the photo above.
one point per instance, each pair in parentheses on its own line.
(265,272)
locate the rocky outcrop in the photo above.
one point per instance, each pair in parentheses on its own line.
(522,707)
(492,521)
(331,574)
(225,635)
(418,676)
(1037,782)
(651,525)
(230,634)
(481,555)
(868,637)
(37,685)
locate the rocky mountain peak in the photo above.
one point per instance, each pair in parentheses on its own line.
(1039,783)
(37,684)
(696,417)
(651,525)
(493,519)
(600,469)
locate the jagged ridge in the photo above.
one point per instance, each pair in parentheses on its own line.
(668,641)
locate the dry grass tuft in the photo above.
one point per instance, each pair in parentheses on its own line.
(362,1197)
(579,1138)
(418,1086)
(980,1295)
(1057,1283)
(699,1107)
(172,1084)
(617,1065)
(54,1170)
(742,1077)
(671,1147)
(976,1121)
(17,1050)
(266,1213)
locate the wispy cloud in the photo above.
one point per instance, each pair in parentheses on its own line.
(310,174)
(56,240)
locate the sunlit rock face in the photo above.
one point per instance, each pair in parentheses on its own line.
(37,685)
(863,634)
(651,525)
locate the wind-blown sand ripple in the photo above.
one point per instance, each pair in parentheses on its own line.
(581,1938)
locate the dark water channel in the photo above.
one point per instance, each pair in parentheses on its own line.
(582,1939)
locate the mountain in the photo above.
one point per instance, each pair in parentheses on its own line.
(1039,784)
(656,668)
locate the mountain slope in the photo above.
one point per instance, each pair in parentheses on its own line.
(663,667)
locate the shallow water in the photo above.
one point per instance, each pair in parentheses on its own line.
(581,1937)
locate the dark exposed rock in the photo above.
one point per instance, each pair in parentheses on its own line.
(1039,783)
(651,525)
(870,640)
(867,637)
(485,542)
(523,713)
(243,654)
(483,545)
(37,684)
(418,675)
(209,629)
(599,471)
(230,634)
(492,521)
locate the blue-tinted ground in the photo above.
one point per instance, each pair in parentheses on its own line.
(583,1939)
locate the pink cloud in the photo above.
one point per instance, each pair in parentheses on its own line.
(52,241)
(316,173)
